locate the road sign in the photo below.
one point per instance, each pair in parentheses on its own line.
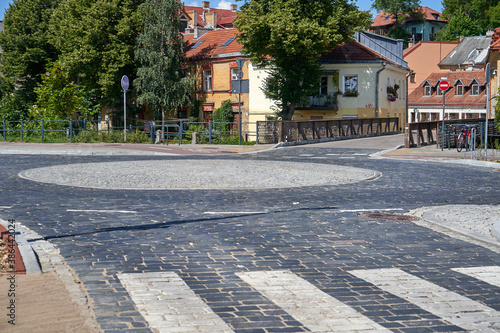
(444,85)
(125,82)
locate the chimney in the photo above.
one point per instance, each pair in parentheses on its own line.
(195,18)
(234,7)
(205,4)
(196,33)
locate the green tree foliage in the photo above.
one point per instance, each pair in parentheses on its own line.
(401,10)
(96,39)
(459,25)
(161,82)
(26,48)
(470,18)
(223,116)
(290,36)
(59,98)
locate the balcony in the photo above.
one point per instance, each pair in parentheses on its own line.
(320,102)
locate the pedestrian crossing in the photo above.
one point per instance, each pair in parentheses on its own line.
(169,305)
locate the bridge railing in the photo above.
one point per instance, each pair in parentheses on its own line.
(324,129)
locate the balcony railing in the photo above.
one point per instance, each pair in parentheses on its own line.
(320,101)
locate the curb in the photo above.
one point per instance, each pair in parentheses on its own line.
(495,230)
(428,221)
(28,256)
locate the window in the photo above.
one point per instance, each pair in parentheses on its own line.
(323,85)
(350,85)
(226,43)
(207,80)
(412,78)
(459,90)
(474,90)
(427,90)
(439,92)
(197,44)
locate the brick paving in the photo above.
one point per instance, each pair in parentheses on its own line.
(313,232)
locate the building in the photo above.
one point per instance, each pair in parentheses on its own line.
(465,99)
(355,83)
(471,52)
(417,30)
(212,60)
(494,61)
(423,59)
(206,18)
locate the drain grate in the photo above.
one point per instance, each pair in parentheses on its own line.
(390,217)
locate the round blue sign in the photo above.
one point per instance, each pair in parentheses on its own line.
(125,82)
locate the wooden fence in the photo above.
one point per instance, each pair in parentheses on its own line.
(316,130)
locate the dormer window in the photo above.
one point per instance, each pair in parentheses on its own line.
(427,90)
(459,90)
(439,92)
(474,91)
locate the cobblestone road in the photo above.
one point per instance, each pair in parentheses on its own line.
(269,260)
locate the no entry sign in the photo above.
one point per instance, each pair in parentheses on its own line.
(444,85)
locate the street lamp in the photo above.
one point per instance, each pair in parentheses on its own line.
(239,76)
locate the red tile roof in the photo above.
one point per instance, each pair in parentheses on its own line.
(417,98)
(352,51)
(212,44)
(383,19)
(224,16)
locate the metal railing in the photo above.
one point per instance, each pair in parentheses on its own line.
(68,130)
(429,132)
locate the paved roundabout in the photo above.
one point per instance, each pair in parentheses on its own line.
(192,174)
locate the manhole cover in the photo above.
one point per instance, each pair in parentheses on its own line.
(389,217)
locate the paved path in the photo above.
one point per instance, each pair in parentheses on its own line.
(338,257)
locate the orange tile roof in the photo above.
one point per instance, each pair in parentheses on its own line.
(417,98)
(384,19)
(224,16)
(212,44)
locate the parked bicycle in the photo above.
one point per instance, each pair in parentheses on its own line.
(465,139)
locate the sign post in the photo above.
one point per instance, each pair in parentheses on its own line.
(125,85)
(487,77)
(239,75)
(443,85)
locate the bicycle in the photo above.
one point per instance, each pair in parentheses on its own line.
(464,139)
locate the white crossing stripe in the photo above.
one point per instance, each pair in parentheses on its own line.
(5,207)
(452,307)
(169,305)
(488,274)
(315,309)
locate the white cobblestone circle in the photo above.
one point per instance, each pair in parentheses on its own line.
(197,174)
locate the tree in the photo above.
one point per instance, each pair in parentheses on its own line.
(290,36)
(58,98)
(223,116)
(400,10)
(26,48)
(459,25)
(96,40)
(481,14)
(161,82)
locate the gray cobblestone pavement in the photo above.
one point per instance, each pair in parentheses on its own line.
(239,257)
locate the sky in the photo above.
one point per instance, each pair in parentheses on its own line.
(226,4)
